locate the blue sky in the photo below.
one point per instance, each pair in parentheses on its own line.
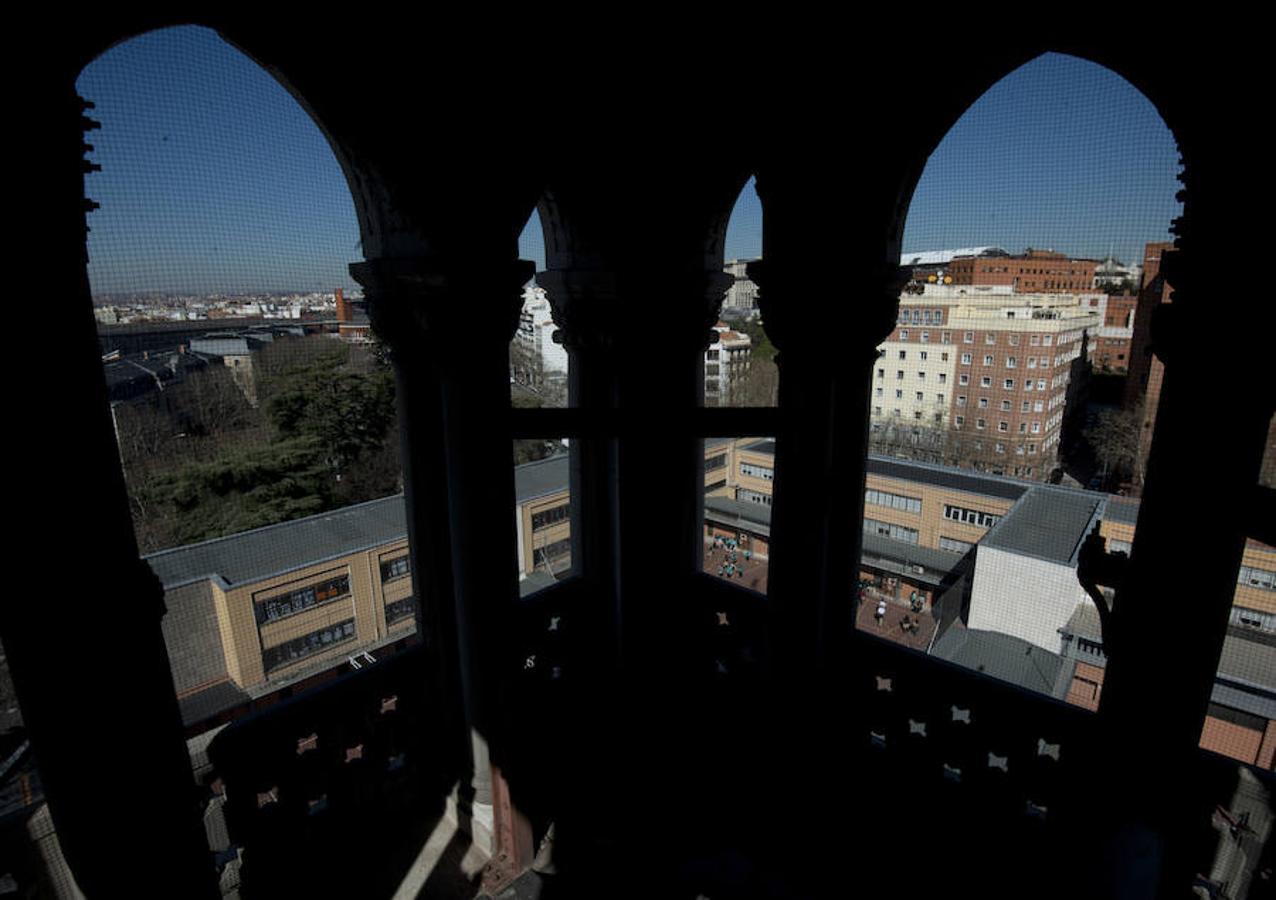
(213,178)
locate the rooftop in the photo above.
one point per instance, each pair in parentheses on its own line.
(1047,523)
(943,476)
(1001,656)
(942,257)
(274,549)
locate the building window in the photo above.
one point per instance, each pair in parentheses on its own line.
(1036,428)
(1008,384)
(983,402)
(550,517)
(980,424)
(990,338)
(903,354)
(1011,362)
(552,553)
(399,610)
(879,392)
(279,606)
(894,501)
(753,471)
(988,360)
(963,379)
(925,337)
(1035,340)
(1045,340)
(960,421)
(1041,384)
(1252,618)
(924,355)
(921,376)
(1032,362)
(968,338)
(749,496)
(894,532)
(946,337)
(970,516)
(952,545)
(1023,429)
(899,394)
(720,461)
(965,359)
(903,335)
(307,645)
(919,396)
(394,568)
(1257,578)
(1003,426)
(986,381)
(1005,406)
(943,377)
(881,373)
(1014,340)
(899,374)
(1036,407)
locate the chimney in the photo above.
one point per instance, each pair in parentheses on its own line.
(343,308)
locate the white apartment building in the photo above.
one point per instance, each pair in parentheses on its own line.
(727,359)
(535,339)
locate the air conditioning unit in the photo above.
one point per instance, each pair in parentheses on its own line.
(919,569)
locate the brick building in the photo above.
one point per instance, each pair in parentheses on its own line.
(1036,271)
(981,378)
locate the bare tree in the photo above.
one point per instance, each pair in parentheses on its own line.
(1114,440)
(760,385)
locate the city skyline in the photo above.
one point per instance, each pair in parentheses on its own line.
(268,209)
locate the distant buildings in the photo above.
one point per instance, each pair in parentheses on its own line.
(1035,271)
(742,296)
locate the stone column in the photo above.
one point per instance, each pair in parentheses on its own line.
(1171,611)
(819,500)
(87,655)
(449,325)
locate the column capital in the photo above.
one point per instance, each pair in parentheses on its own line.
(414,298)
(588,304)
(783,293)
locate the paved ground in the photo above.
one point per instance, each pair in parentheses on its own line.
(890,626)
(754,570)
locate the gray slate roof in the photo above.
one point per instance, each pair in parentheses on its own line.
(1122,509)
(901,556)
(546,476)
(943,476)
(728,511)
(263,552)
(1001,656)
(1047,523)
(253,555)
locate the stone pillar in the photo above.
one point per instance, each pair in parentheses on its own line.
(87,658)
(1171,612)
(449,325)
(819,500)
